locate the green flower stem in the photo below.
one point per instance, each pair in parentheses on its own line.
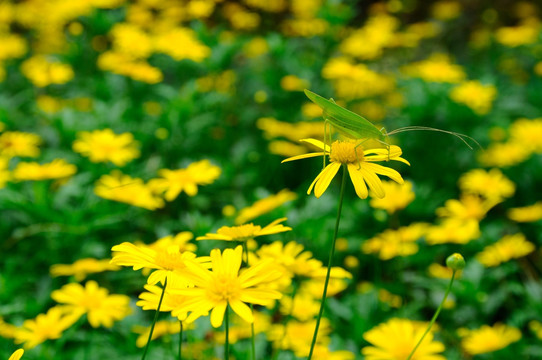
(155,319)
(227,340)
(434,316)
(180,340)
(331,253)
(253,341)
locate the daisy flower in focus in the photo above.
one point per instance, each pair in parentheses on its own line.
(104,145)
(49,326)
(173,182)
(360,163)
(101,308)
(165,262)
(488,338)
(225,285)
(246,232)
(396,338)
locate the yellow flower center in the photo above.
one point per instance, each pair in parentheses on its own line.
(346,152)
(170,260)
(224,287)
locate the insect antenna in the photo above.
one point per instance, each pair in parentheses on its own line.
(460,136)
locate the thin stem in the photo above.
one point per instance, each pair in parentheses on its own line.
(155,319)
(227,326)
(180,340)
(253,335)
(331,253)
(434,316)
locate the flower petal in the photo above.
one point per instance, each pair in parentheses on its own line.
(375,184)
(325,179)
(358,181)
(303,156)
(217,315)
(319,144)
(386,171)
(241,309)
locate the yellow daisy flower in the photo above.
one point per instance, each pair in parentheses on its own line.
(224,285)
(395,339)
(16,143)
(360,164)
(166,262)
(264,206)
(398,196)
(173,182)
(82,267)
(490,184)
(246,232)
(507,248)
(488,338)
(170,302)
(104,145)
(32,171)
(101,308)
(123,188)
(527,213)
(16,355)
(49,326)
(393,243)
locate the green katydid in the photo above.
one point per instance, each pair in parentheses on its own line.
(355,126)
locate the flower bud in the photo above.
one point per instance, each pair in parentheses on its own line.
(455,262)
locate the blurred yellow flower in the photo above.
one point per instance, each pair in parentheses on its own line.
(507,248)
(396,338)
(5,174)
(123,188)
(16,143)
(180,241)
(467,208)
(527,213)
(488,338)
(239,330)
(225,285)
(475,95)
(12,46)
(398,196)
(523,34)
(536,327)
(240,18)
(104,145)
(42,72)
(16,355)
(161,328)
(181,43)
(437,68)
(264,206)
(528,133)
(453,230)
(293,83)
(257,46)
(32,171)
(442,272)
(246,232)
(296,336)
(82,267)
(49,104)
(504,154)
(48,326)
(311,110)
(101,308)
(538,68)
(490,184)
(303,306)
(173,182)
(394,301)
(7,331)
(168,262)
(446,10)
(359,163)
(393,243)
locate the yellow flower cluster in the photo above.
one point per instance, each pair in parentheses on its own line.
(277,131)
(353,81)
(488,338)
(105,145)
(525,139)
(475,95)
(437,68)
(42,71)
(507,248)
(393,243)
